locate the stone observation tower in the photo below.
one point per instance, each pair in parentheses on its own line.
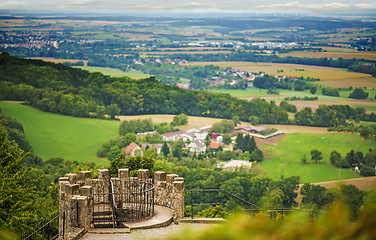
(106,202)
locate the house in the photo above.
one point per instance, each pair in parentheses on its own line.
(234,164)
(174,136)
(132,150)
(158,146)
(215,145)
(197,146)
(251,129)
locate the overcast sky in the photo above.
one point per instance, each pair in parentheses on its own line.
(307,6)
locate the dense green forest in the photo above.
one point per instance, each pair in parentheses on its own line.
(76,92)
(61,89)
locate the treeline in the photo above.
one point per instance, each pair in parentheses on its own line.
(366,164)
(355,65)
(78,93)
(270,82)
(331,116)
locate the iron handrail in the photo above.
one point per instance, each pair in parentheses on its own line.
(111,194)
(217,190)
(48,224)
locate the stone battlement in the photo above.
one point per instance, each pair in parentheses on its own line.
(80,196)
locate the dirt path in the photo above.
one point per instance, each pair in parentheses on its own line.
(359,144)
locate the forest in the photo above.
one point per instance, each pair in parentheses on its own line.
(76,92)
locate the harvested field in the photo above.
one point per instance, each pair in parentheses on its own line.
(290,70)
(315,104)
(186,52)
(295,129)
(56,60)
(369,82)
(193,122)
(361,183)
(333,55)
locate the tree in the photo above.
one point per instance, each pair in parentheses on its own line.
(113,110)
(226,139)
(257,155)
(165,149)
(18,197)
(313,194)
(181,119)
(239,141)
(353,197)
(316,155)
(367,171)
(358,93)
(313,90)
(254,120)
(113,153)
(100,111)
(224,126)
(236,120)
(177,148)
(335,157)
(304,159)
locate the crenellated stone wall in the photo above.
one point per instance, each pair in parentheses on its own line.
(76,194)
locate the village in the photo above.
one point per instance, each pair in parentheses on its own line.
(199,141)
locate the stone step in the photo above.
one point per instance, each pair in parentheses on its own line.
(103,219)
(103,225)
(103,213)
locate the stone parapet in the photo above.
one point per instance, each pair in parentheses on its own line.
(78,194)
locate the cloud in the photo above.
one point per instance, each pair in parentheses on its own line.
(11,4)
(324,7)
(348,6)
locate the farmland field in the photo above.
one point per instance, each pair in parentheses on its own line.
(58,60)
(54,135)
(284,158)
(369,82)
(193,122)
(332,54)
(291,70)
(113,72)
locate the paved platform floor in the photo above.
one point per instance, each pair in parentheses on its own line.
(153,233)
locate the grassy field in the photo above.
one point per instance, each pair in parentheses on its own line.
(369,104)
(113,72)
(257,92)
(54,135)
(284,158)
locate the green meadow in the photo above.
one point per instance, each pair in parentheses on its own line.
(284,158)
(257,92)
(53,135)
(114,72)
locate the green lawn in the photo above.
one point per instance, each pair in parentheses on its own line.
(285,157)
(54,135)
(114,72)
(257,92)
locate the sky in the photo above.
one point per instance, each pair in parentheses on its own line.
(183,6)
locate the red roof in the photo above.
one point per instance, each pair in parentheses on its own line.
(130,148)
(215,145)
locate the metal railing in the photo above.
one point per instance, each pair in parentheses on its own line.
(273,213)
(50,229)
(127,200)
(230,195)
